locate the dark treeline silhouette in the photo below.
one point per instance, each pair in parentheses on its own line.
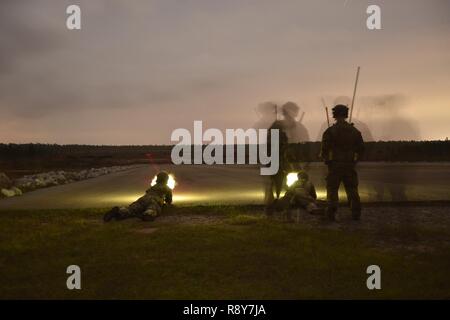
(12,150)
(52,156)
(414,151)
(41,157)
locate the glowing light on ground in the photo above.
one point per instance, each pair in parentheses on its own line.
(321,194)
(219,197)
(119,199)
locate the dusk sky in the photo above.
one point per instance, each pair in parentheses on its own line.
(139,69)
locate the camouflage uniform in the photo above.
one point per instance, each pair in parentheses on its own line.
(342,146)
(149,205)
(302,194)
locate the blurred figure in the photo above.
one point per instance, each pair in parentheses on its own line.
(395,192)
(364,129)
(397,127)
(275,182)
(295,130)
(388,117)
(394,126)
(267,112)
(268,119)
(342,147)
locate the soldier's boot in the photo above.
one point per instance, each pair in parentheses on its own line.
(313,209)
(356,215)
(354,203)
(149,215)
(288,214)
(331,214)
(111,214)
(270,208)
(356,209)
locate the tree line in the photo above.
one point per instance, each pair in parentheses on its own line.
(106,154)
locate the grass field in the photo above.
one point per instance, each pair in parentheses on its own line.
(213,253)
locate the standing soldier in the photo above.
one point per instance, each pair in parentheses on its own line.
(342,147)
(295,130)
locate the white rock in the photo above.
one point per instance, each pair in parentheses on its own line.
(8,193)
(17,191)
(5,182)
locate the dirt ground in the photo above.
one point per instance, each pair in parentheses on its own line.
(418,228)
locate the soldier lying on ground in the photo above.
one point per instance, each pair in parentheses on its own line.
(147,207)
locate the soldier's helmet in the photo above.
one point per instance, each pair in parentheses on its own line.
(340,110)
(302,175)
(290,109)
(162,177)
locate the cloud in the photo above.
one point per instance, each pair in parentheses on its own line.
(385,102)
(21,37)
(171,61)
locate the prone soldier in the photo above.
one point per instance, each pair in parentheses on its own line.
(342,147)
(147,207)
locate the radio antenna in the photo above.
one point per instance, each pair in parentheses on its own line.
(354,93)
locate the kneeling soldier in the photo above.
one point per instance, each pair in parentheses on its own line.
(302,194)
